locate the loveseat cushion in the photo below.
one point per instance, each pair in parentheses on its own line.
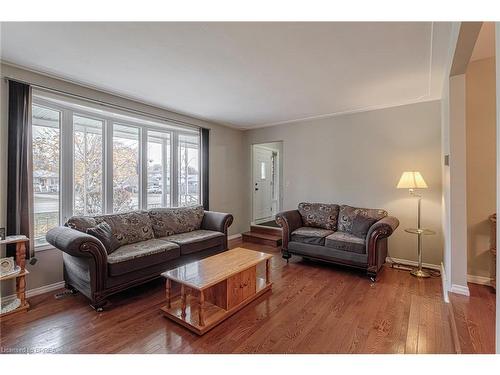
(319,215)
(351,218)
(128,227)
(191,242)
(346,242)
(140,255)
(169,221)
(310,235)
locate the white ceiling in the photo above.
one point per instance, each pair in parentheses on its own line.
(242,74)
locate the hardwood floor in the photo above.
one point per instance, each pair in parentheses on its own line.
(475,319)
(312,308)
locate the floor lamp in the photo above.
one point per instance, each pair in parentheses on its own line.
(412,181)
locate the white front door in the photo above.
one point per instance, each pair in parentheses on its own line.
(262,184)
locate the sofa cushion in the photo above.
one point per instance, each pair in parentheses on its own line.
(191,242)
(128,227)
(104,233)
(347,215)
(347,242)
(361,225)
(310,235)
(319,215)
(169,221)
(140,255)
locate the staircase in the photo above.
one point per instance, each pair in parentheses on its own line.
(262,235)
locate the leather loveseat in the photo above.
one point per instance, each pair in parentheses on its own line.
(351,236)
(106,254)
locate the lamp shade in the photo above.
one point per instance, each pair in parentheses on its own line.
(411,180)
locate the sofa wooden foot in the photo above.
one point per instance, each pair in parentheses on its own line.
(99,306)
(286,255)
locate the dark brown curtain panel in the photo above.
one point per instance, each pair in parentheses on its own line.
(20,168)
(205,135)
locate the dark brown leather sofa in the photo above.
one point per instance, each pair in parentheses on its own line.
(355,237)
(147,244)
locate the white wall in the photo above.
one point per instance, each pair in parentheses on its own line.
(357,159)
(226,158)
(458,186)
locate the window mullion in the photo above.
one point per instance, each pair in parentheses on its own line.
(174,170)
(108,166)
(66,166)
(143,169)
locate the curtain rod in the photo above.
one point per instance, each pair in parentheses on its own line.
(116,106)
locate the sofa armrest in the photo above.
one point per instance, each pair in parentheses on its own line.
(76,243)
(288,221)
(375,247)
(79,244)
(217,221)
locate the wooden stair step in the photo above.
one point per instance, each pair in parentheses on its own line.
(266,230)
(262,238)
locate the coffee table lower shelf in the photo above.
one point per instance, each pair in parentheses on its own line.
(214,314)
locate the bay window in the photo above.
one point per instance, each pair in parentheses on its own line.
(90,159)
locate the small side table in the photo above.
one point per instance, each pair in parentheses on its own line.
(419,272)
(20,241)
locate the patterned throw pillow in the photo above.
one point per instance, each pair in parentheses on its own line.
(362,216)
(81,223)
(129,227)
(169,221)
(319,215)
(104,233)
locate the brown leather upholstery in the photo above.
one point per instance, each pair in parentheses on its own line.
(339,247)
(89,269)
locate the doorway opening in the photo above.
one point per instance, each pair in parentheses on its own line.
(266,182)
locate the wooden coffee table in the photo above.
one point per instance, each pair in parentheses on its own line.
(214,288)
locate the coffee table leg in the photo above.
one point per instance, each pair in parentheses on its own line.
(168,288)
(183,301)
(202,308)
(268,271)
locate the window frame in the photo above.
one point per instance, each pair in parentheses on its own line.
(67,110)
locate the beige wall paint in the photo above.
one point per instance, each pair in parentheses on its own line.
(357,159)
(458,185)
(481,163)
(226,159)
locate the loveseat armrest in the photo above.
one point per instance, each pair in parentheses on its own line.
(383,228)
(288,221)
(376,247)
(77,244)
(216,221)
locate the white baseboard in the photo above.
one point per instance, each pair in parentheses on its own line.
(413,263)
(460,289)
(35,291)
(481,280)
(234,236)
(444,285)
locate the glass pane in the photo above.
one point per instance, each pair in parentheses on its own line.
(262,170)
(158,172)
(46,150)
(189,187)
(125,168)
(87,166)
